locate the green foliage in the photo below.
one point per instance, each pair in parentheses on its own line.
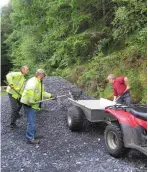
(103,45)
(80,40)
(6,30)
(129,62)
(130,16)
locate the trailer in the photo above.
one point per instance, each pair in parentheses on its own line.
(126,126)
(92,110)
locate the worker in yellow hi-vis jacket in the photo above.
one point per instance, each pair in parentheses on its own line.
(16,83)
(33,92)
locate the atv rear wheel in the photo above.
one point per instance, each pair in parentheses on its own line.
(75,118)
(114,140)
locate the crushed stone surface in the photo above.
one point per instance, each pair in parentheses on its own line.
(60,150)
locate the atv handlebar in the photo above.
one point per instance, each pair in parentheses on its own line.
(125,107)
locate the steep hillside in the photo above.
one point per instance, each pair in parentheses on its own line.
(82,41)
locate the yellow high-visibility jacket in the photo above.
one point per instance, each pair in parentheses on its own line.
(32,93)
(17,80)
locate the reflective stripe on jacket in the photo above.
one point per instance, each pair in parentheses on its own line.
(32,93)
(17,80)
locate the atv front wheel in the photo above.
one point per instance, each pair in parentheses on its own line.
(114,140)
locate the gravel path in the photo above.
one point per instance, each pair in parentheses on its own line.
(60,150)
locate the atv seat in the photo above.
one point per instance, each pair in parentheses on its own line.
(140,113)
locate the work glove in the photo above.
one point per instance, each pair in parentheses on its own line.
(14,87)
(11,85)
(29,106)
(114,100)
(54,98)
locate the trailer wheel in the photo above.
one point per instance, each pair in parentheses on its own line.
(114,140)
(75,118)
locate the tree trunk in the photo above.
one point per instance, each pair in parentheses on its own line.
(103,7)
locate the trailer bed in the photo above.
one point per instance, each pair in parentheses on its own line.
(94,109)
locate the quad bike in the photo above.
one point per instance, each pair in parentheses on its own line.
(126,126)
(129,131)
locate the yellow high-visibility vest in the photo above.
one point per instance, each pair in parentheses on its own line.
(32,93)
(17,80)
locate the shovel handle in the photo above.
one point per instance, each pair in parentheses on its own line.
(12,88)
(51,98)
(122,94)
(44,100)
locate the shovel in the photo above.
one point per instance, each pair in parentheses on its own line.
(65,95)
(122,95)
(13,89)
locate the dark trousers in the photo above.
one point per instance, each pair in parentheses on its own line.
(126,99)
(16,107)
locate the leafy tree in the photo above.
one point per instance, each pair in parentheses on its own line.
(130,16)
(105,35)
(6,29)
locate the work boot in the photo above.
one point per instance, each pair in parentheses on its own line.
(39,137)
(13,125)
(35,141)
(20,116)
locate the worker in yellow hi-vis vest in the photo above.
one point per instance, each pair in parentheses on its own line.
(16,83)
(33,92)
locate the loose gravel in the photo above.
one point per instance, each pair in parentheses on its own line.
(60,150)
